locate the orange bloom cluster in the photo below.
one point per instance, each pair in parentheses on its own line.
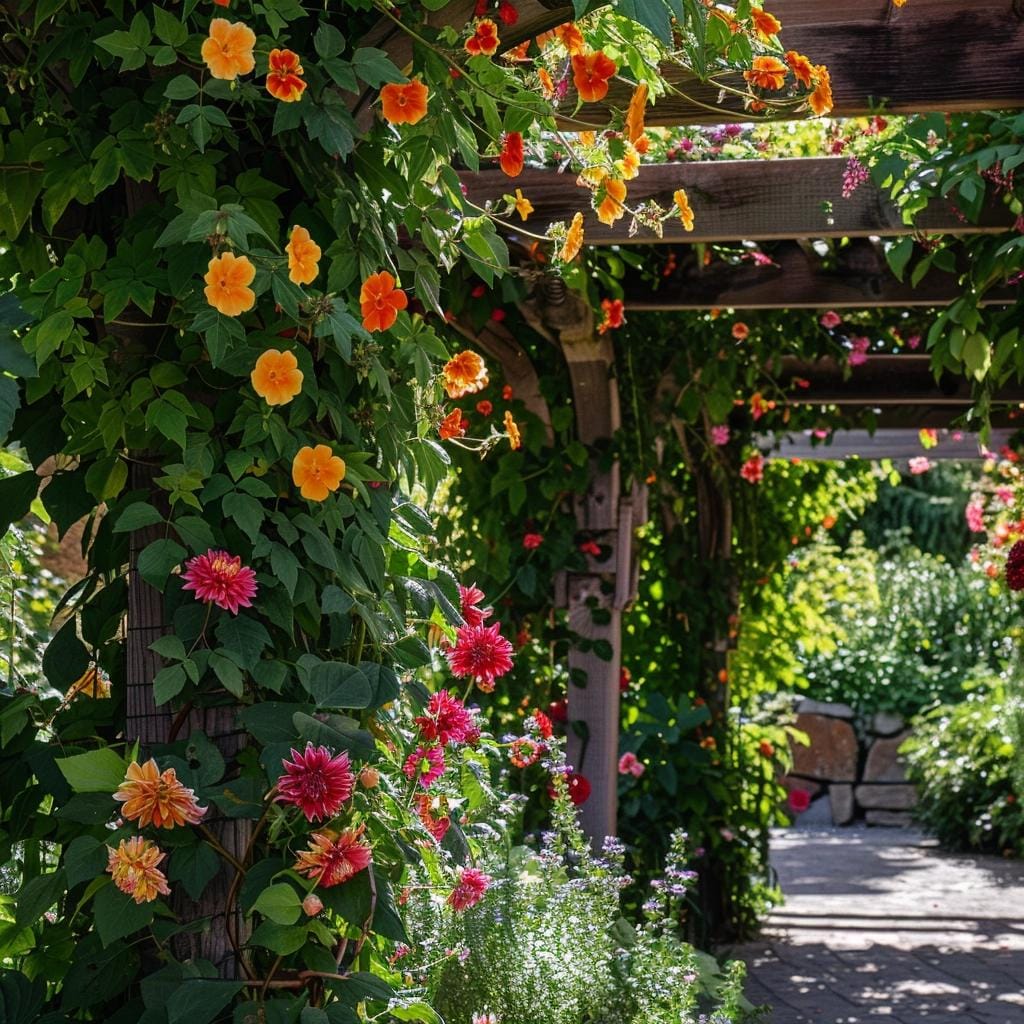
(484,39)
(590,74)
(404,104)
(380,301)
(227,284)
(151,796)
(766,73)
(451,426)
(611,195)
(227,50)
(276,377)
(769,73)
(511,159)
(573,239)
(766,25)
(317,472)
(284,77)
(634,127)
(464,374)
(303,254)
(334,857)
(133,866)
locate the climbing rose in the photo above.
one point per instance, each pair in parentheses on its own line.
(150,796)
(630,764)
(404,104)
(511,159)
(446,720)
(590,74)
(228,49)
(425,765)
(276,377)
(333,858)
(317,471)
(480,653)
(284,78)
(484,39)
(303,254)
(380,301)
(316,781)
(766,73)
(470,888)
(469,598)
(464,374)
(227,284)
(1015,566)
(133,866)
(219,578)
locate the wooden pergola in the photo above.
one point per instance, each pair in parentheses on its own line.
(929,56)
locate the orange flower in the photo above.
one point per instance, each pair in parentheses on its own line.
(284,79)
(227,284)
(642,144)
(228,49)
(740,331)
(821,99)
(464,374)
(523,205)
(317,471)
(303,253)
(150,795)
(682,201)
(573,239)
(380,301)
(587,138)
(518,53)
(629,165)
(276,377)
(727,17)
(766,25)
(547,86)
(512,430)
(133,866)
(89,684)
(801,67)
(614,315)
(404,104)
(766,73)
(610,195)
(590,74)
(571,38)
(635,113)
(451,426)
(484,39)
(334,857)
(511,159)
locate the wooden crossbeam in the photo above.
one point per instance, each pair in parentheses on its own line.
(732,200)
(796,282)
(885,443)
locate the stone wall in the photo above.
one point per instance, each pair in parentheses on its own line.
(856,775)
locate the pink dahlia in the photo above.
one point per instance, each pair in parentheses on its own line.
(221,578)
(425,764)
(469,598)
(469,889)
(333,858)
(447,719)
(1015,566)
(480,653)
(316,781)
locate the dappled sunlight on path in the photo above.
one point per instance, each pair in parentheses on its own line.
(879,925)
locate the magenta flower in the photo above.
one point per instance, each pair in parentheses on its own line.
(425,764)
(447,719)
(469,598)
(859,351)
(720,435)
(221,579)
(469,889)
(316,781)
(480,653)
(630,764)
(975,516)
(830,320)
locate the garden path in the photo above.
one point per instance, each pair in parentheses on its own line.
(879,925)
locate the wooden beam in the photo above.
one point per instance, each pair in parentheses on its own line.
(885,443)
(732,200)
(795,282)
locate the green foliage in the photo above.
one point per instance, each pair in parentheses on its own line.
(966,760)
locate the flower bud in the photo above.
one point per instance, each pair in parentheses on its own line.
(312,904)
(369,777)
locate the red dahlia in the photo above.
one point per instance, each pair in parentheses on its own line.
(1015,567)
(470,889)
(447,720)
(220,578)
(469,598)
(480,653)
(316,781)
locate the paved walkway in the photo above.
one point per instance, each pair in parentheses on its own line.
(880,926)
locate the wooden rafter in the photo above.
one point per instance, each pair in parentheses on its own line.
(885,443)
(732,200)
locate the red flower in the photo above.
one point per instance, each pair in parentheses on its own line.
(436,824)
(498,315)
(284,78)
(484,407)
(766,748)
(579,788)
(592,548)
(753,469)
(469,889)
(316,781)
(333,858)
(524,752)
(508,14)
(469,598)
(425,764)
(511,158)
(590,74)
(220,579)
(542,724)
(532,541)
(506,392)
(484,40)
(480,653)
(799,800)
(478,291)
(625,678)
(1015,566)
(447,720)
(558,711)
(614,315)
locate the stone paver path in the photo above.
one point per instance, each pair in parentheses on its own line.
(880,926)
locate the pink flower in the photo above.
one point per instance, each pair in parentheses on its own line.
(532,541)
(727,834)
(221,578)
(919,464)
(720,435)
(630,764)
(859,351)
(1005,495)
(469,889)
(830,320)
(753,469)
(914,341)
(312,904)
(447,720)
(480,653)
(469,598)
(425,764)
(316,781)
(975,516)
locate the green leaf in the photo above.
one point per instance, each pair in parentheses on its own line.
(169,646)
(246,511)
(168,29)
(85,858)
(199,1000)
(168,683)
(279,938)
(280,903)
(158,559)
(105,478)
(328,41)
(36,896)
(229,674)
(118,915)
(16,496)
(898,255)
(181,88)
(243,637)
(334,684)
(374,67)
(194,866)
(97,771)
(384,685)
(137,516)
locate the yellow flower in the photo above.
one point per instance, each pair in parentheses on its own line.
(610,208)
(228,49)
(629,165)
(573,239)
(512,430)
(587,138)
(523,205)
(682,202)
(464,374)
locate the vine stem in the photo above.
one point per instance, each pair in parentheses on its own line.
(215,843)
